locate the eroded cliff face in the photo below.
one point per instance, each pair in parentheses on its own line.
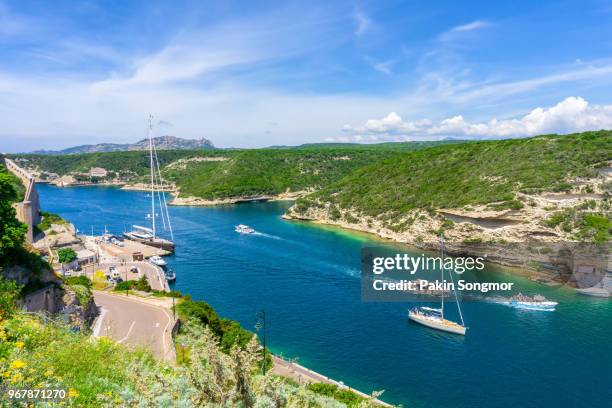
(522,237)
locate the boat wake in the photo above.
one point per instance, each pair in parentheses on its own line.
(263,234)
(538,303)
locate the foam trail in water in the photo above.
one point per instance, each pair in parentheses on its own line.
(263,234)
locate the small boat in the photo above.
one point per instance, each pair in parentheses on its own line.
(244,229)
(157,260)
(537,302)
(434,318)
(170,275)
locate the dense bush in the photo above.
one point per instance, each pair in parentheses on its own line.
(66,255)
(228,331)
(12,232)
(345,396)
(140,284)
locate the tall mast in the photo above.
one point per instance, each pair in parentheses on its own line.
(442,294)
(152,174)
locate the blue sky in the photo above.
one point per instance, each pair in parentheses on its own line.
(262,73)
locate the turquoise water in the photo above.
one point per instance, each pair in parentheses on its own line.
(307,279)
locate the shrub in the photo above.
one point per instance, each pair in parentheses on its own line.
(78,280)
(345,396)
(48,219)
(66,255)
(228,331)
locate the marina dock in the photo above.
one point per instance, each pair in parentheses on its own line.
(129,255)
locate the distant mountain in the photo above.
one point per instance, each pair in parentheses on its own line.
(161,143)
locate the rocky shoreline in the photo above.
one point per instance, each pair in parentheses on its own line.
(198,201)
(512,238)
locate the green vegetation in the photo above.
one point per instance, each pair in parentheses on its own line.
(125,164)
(12,232)
(100,373)
(230,173)
(48,219)
(347,397)
(250,173)
(81,285)
(140,284)
(228,331)
(66,255)
(586,226)
(458,175)
(9,292)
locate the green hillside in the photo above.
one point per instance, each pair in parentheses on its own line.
(239,173)
(129,163)
(457,175)
(271,171)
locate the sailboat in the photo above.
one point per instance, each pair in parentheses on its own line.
(145,235)
(434,317)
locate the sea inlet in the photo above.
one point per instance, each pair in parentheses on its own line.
(306,277)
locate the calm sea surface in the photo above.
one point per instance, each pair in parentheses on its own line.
(307,279)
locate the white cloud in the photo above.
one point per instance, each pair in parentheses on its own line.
(474,25)
(363,23)
(573,114)
(464,28)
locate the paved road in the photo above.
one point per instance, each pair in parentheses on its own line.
(130,321)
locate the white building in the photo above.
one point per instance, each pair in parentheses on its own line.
(97,172)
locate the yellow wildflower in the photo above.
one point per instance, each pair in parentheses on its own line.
(17,364)
(19,344)
(16,378)
(72,393)
(6,374)
(48,373)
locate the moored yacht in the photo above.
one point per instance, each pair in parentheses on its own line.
(149,236)
(145,236)
(157,260)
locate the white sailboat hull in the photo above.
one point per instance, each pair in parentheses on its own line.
(438,324)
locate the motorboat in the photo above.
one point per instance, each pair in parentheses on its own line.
(170,275)
(157,260)
(244,229)
(537,302)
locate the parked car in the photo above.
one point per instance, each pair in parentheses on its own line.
(134,269)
